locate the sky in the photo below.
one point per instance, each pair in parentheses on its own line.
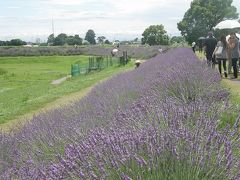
(114,19)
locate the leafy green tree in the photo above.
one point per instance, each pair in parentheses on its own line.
(2,43)
(50,40)
(60,40)
(90,36)
(70,40)
(17,42)
(203,15)
(177,39)
(155,35)
(107,42)
(77,40)
(74,40)
(101,39)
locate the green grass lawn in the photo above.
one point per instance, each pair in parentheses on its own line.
(25,82)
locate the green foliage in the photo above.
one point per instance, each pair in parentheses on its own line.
(60,40)
(50,39)
(155,35)
(13,42)
(203,15)
(219,32)
(101,39)
(63,39)
(177,39)
(107,42)
(74,40)
(17,42)
(90,36)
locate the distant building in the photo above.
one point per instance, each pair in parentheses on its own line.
(31,45)
(27,45)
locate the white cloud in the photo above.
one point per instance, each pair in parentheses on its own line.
(103,16)
(65,2)
(13,7)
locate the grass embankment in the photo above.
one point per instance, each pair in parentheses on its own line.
(26,83)
(234,88)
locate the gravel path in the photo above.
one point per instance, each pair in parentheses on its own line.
(59,81)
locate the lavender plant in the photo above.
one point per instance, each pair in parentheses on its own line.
(133,51)
(159,121)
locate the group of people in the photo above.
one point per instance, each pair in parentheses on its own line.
(219,52)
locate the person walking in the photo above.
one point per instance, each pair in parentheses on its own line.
(233,44)
(221,54)
(210,44)
(193,46)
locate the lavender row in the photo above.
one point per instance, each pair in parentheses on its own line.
(133,51)
(157,121)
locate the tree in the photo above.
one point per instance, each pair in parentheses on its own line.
(2,43)
(203,15)
(70,40)
(155,35)
(101,39)
(50,40)
(60,40)
(17,42)
(177,39)
(107,42)
(90,36)
(74,40)
(77,40)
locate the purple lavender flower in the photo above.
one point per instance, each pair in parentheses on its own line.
(158,121)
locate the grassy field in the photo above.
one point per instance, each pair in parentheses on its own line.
(26,82)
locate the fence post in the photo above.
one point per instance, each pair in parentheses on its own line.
(75,70)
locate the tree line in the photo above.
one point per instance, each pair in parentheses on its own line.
(63,39)
(153,35)
(13,42)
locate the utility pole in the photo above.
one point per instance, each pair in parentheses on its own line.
(53,27)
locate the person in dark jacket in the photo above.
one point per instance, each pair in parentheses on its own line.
(234,51)
(210,44)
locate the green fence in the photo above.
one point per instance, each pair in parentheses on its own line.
(75,70)
(97,63)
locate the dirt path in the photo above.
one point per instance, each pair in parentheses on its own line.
(59,81)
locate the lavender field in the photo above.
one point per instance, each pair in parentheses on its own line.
(139,51)
(159,121)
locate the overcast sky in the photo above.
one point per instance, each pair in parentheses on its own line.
(115,19)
